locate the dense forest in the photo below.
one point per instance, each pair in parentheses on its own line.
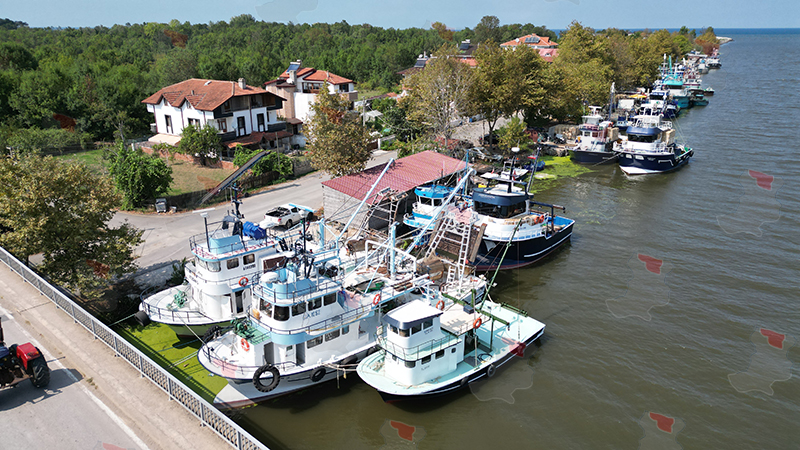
(98,76)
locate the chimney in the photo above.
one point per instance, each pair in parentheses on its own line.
(192,91)
(242,84)
(292,77)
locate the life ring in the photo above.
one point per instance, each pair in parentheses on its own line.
(477,323)
(245,345)
(440,305)
(243,281)
(276,378)
(318,375)
(491,370)
(376,299)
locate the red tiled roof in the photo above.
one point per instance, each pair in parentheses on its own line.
(300,73)
(404,175)
(204,95)
(543,40)
(311,74)
(294,121)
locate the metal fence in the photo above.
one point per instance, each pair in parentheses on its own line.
(209,416)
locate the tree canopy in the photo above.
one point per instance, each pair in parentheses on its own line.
(138,176)
(336,139)
(61,210)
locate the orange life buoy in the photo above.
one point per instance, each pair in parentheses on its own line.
(440,305)
(376,299)
(477,323)
(243,281)
(245,345)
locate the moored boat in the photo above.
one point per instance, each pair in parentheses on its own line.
(595,140)
(650,148)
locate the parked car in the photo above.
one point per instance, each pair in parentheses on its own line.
(483,154)
(285,215)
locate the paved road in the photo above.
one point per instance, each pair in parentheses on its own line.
(65,414)
(167,235)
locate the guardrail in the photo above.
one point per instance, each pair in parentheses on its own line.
(209,416)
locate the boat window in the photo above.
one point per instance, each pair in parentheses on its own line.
(281,313)
(393,328)
(332,335)
(298,309)
(213,266)
(416,328)
(314,342)
(440,354)
(637,138)
(426,359)
(402,333)
(411,364)
(233,263)
(345,329)
(453,350)
(249,259)
(200,263)
(427,324)
(266,307)
(315,304)
(330,299)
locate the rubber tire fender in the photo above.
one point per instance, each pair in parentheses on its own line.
(276,378)
(142,318)
(318,374)
(491,370)
(212,333)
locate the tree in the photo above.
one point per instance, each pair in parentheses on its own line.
(271,162)
(438,94)
(505,82)
(513,135)
(61,209)
(137,175)
(203,142)
(444,33)
(336,139)
(488,29)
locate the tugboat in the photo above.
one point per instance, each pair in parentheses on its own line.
(428,351)
(595,140)
(219,279)
(650,148)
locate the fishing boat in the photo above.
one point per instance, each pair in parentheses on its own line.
(595,140)
(219,278)
(650,148)
(429,198)
(698,97)
(431,350)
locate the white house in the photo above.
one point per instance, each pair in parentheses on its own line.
(240,112)
(300,86)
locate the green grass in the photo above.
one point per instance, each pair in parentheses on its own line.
(162,345)
(93,159)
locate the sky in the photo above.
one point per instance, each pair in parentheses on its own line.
(456,14)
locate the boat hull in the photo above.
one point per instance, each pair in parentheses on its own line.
(521,253)
(460,383)
(633,163)
(592,157)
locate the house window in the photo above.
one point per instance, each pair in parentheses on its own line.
(222,125)
(344,87)
(260,119)
(240,127)
(168,120)
(194,122)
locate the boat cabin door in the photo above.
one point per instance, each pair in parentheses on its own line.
(237,305)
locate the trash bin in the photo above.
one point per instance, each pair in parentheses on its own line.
(161,205)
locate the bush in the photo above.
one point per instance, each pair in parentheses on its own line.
(272,162)
(34,140)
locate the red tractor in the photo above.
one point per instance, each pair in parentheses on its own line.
(19,362)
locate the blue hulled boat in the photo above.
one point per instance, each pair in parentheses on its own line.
(595,140)
(650,148)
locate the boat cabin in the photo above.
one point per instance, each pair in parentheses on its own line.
(498,203)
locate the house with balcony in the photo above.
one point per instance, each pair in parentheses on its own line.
(242,114)
(299,86)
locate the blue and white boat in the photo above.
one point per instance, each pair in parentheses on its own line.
(650,148)
(427,351)
(429,198)
(594,143)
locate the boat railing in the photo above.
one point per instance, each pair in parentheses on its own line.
(174,314)
(233,282)
(418,351)
(208,415)
(234,370)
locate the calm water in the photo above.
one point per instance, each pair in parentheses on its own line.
(600,370)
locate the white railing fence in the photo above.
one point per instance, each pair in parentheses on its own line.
(209,416)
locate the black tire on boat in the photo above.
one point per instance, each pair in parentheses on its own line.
(276,378)
(212,333)
(142,318)
(40,373)
(372,350)
(350,360)
(491,370)
(464,381)
(318,374)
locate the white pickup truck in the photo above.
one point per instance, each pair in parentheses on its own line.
(285,215)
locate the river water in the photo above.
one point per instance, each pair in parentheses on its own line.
(672,317)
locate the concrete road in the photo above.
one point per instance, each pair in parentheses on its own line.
(167,235)
(64,415)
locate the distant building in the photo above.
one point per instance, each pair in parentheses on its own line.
(547,49)
(241,113)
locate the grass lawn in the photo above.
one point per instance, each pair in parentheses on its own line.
(186,177)
(179,357)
